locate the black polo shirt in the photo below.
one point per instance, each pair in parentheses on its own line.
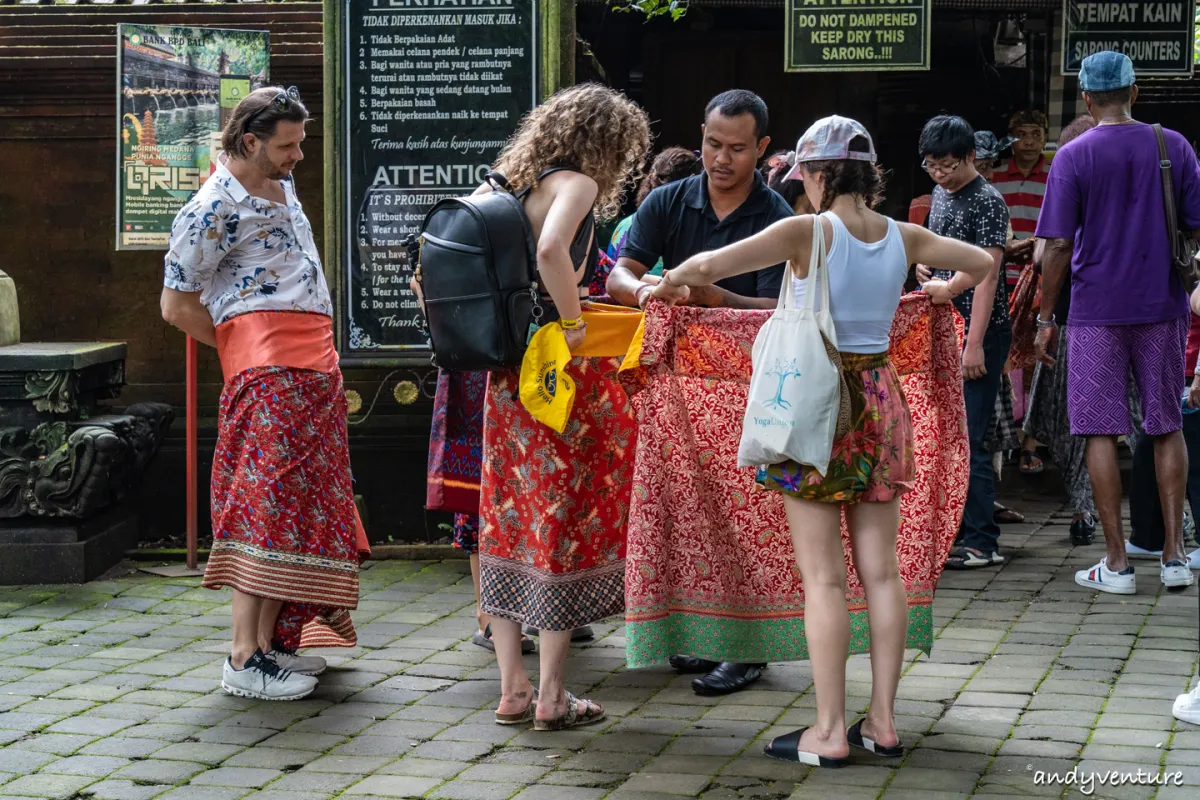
(676,221)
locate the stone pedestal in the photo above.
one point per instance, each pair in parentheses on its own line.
(67,468)
(37,550)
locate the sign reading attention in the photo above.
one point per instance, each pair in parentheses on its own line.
(856,35)
(434,88)
(1157,35)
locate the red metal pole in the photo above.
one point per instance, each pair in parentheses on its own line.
(192,555)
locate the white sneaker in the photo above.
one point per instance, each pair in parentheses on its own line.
(1176,575)
(301,665)
(1187,707)
(1103,579)
(263,679)
(1133,550)
(1193,558)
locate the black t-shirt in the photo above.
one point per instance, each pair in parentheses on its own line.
(676,222)
(975,214)
(1062,308)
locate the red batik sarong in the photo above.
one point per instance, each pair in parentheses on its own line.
(710,568)
(555,506)
(284,522)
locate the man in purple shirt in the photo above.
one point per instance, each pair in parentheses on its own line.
(1103,218)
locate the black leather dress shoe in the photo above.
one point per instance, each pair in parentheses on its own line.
(727,678)
(690,665)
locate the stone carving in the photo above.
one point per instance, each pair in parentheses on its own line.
(52,391)
(74,469)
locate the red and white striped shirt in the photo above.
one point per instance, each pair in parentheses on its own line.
(1023,195)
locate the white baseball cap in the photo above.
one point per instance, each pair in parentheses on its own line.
(829,140)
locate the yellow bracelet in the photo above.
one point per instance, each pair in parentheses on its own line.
(568,324)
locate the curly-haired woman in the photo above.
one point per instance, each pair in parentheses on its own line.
(672,164)
(553,511)
(872,464)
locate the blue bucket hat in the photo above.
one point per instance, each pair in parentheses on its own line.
(1105,71)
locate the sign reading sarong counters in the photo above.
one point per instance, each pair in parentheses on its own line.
(433,90)
(856,35)
(1157,36)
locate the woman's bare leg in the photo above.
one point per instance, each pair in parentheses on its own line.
(480,618)
(818,543)
(873,528)
(553,647)
(516,692)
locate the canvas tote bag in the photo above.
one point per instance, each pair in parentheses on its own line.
(797,393)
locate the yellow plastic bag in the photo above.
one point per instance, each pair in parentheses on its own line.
(547,392)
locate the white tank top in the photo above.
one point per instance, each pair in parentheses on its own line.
(865,284)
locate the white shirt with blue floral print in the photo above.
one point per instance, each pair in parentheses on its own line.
(243,253)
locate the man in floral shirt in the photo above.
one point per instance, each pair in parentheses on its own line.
(243,276)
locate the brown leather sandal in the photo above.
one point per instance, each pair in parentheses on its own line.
(593,712)
(521,717)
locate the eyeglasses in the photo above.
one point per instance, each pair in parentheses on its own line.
(938,169)
(282,99)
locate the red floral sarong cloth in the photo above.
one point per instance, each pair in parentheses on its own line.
(1023,310)
(284,522)
(555,506)
(710,569)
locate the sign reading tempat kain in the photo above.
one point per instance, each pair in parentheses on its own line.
(856,35)
(1157,36)
(434,88)
(175,88)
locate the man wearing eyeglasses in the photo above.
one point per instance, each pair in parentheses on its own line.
(968,208)
(243,276)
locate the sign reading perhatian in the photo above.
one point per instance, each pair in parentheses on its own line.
(1157,35)
(856,35)
(434,88)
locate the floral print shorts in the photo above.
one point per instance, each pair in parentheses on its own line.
(873,462)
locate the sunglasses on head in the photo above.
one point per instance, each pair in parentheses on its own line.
(282,99)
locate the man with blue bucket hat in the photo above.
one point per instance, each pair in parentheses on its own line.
(1104,219)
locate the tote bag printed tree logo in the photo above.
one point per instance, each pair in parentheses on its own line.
(783,372)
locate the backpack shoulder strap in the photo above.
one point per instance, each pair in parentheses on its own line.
(521,195)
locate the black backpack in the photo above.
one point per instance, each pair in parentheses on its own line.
(478,274)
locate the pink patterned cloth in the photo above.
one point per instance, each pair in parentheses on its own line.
(710,568)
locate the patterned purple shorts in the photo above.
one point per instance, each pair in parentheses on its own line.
(1099,361)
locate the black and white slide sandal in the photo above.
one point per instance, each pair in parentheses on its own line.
(854,735)
(787,748)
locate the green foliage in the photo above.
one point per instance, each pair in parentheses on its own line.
(653,8)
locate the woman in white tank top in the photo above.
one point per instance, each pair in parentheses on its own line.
(872,465)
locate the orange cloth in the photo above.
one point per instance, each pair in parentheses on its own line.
(610,329)
(293,339)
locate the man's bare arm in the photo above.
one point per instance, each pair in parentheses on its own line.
(185,311)
(716,297)
(625,281)
(1055,262)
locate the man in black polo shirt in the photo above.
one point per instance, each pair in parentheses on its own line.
(726,203)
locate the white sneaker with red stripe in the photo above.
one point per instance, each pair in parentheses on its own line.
(1103,579)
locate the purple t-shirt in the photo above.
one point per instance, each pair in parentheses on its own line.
(1104,192)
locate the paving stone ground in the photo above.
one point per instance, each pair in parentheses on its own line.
(111,691)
